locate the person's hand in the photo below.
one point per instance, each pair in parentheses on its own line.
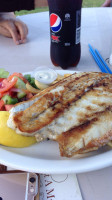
(107,3)
(12,27)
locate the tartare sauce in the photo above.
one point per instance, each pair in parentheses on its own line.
(46,76)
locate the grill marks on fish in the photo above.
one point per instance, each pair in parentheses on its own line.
(24,105)
(84,109)
(76,112)
(87,137)
(57,100)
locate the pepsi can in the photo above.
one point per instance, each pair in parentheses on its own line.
(65,27)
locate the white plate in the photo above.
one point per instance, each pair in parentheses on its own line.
(45,158)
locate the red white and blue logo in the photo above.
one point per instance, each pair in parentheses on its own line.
(55,23)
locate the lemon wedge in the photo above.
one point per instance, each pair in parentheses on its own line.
(9,137)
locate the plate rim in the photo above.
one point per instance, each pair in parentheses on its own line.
(97,162)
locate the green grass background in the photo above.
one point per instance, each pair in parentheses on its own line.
(86,3)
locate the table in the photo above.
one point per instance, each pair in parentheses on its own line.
(96,30)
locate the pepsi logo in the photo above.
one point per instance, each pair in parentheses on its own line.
(55,23)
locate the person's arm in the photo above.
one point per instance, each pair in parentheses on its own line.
(107,3)
(12,27)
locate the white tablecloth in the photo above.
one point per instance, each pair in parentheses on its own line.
(96,30)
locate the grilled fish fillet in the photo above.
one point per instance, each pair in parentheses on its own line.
(55,89)
(66,106)
(87,137)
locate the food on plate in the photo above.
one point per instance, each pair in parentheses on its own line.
(40,85)
(13,89)
(32,89)
(3,73)
(31,80)
(88,136)
(76,112)
(45,77)
(8,137)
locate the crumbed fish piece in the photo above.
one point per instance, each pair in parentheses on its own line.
(57,102)
(87,137)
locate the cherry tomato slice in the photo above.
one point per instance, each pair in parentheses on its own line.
(8,107)
(1,104)
(18,75)
(7,85)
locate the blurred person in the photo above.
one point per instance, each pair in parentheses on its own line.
(10,26)
(107,3)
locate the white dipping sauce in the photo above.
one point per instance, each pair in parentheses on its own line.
(46,76)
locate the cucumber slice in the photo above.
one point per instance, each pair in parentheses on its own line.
(9,100)
(3,73)
(20,85)
(21,95)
